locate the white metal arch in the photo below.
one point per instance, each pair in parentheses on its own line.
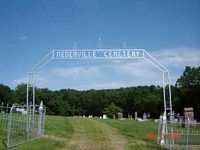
(104,54)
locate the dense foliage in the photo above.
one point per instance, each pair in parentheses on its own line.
(68,102)
(112,110)
(188,86)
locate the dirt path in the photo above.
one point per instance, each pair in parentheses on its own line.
(91,134)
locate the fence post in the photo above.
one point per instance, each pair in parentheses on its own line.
(40,121)
(9,126)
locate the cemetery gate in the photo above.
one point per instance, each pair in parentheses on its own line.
(21,124)
(24,123)
(105,54)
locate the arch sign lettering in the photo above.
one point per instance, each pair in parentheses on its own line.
(97,54)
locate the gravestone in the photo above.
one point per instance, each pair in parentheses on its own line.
(120,116)
(148,115)
(136,116)
(144,116)
(104,117)
(129,117)
(190,115)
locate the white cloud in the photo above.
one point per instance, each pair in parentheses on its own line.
(137,69)
(178,57)
(77,72)
(40,81)
(100,85)
(119,73)
(15,82)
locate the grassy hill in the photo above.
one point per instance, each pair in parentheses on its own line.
(75,133)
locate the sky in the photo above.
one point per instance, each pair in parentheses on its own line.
(169,30)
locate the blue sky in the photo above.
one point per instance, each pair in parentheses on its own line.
(168,29)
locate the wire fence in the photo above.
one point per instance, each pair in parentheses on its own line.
(4,116)
(21,124)
(182,134)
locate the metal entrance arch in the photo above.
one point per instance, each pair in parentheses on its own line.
(62,54)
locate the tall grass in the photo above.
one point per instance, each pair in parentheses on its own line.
(137,133)
(74,133)
(57,131)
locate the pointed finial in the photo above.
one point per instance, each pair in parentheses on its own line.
(75,45)
(41,103)
(100,43)
(124,45)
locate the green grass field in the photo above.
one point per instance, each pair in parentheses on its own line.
(75,133)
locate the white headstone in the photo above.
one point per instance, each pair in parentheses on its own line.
(104,117)
(136,116)
(144,116)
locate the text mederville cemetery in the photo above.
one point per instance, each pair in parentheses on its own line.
(98,54)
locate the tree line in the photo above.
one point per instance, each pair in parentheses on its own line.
(69,102)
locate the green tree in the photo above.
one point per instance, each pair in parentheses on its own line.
(189,85)
(190,78)
(20,92)
(4,93)
(112,109)
(71,102)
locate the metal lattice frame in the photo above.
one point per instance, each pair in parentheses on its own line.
(105,54)
(185,135)
(18,129)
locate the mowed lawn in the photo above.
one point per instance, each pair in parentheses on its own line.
(75,133)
